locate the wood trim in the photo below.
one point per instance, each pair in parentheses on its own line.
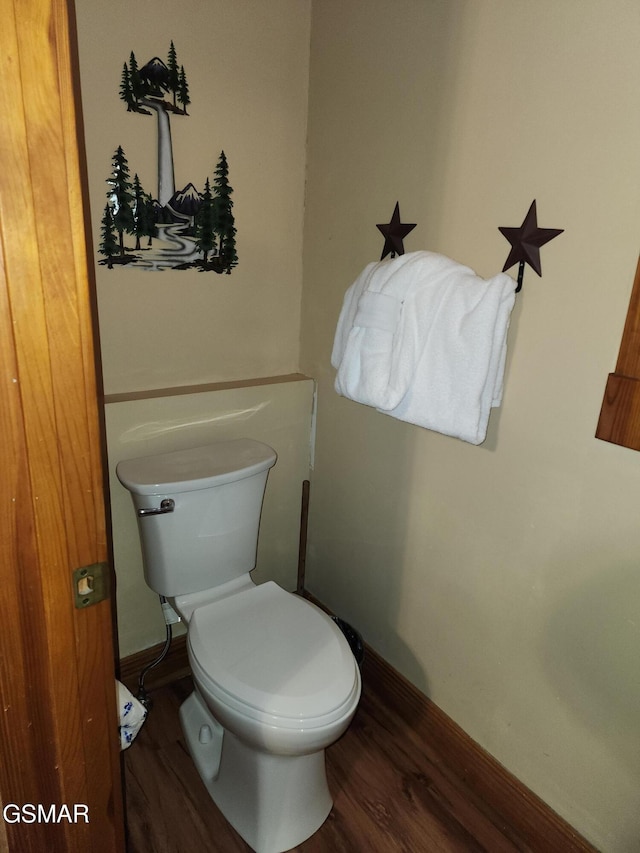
(532,819)
(628,363)
(302,543)
(129,396)
(619,420)
(174,667)
(458,755)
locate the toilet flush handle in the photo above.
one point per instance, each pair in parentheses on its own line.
(166,505)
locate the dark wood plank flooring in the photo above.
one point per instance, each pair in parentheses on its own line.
(392,792)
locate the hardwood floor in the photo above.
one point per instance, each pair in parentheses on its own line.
(393,792)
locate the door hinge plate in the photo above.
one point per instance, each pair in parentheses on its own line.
(90,585)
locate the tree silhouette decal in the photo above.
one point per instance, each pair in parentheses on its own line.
(121,197)
(109,241)
(184,229)
(205,233)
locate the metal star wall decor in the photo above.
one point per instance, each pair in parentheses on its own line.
(394,233)
(525,243)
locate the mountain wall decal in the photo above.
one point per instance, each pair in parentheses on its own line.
(186,201)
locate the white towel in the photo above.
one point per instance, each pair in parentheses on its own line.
(132,714)
(423,339)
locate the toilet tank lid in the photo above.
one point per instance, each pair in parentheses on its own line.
(196,467)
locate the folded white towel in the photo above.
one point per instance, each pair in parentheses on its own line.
(132,714)
(423,338)
(375,360)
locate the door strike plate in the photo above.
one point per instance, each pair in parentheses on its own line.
(90,585)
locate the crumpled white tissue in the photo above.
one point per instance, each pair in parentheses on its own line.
(132,715)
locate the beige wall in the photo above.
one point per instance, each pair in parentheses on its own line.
(502,579)
(247,64)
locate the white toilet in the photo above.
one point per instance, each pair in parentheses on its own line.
(275,679)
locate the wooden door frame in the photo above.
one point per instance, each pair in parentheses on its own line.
(58,730)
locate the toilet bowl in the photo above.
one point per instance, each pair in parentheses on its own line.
(275,685)
(275,679)
(274,669)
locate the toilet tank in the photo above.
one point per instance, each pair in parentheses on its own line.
(210,534)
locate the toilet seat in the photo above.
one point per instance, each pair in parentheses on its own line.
(274,657)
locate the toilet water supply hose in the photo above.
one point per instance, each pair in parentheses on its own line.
(142,695)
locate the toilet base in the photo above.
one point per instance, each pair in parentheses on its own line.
(274,802)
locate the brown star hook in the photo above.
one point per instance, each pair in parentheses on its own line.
(394,233)
(525,243)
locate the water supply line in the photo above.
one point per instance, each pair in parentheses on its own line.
(142,694)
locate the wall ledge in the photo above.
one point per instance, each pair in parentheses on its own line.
(150,394)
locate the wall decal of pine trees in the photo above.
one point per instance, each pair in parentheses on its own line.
(184,229)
